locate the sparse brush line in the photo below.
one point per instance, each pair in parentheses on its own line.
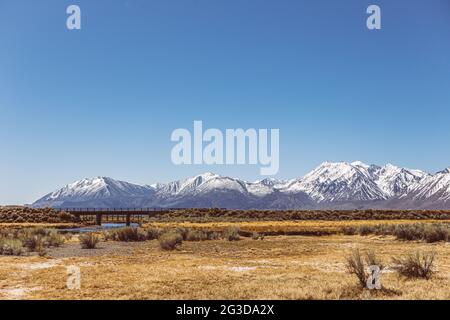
(432,232)
(20,241)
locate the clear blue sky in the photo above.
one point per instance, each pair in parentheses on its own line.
(104,100)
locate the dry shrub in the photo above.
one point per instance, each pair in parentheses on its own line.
(196,235)
(153,233)
(419,231)
(89,240)
(20,214)
(409,232)
(436,233)
(34,240)
(357,264)
(11,247)
(349,231)
(231,234)
(257,236)
(128,234)
(170,240)
(415,265)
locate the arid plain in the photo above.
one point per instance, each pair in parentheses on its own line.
(272,259)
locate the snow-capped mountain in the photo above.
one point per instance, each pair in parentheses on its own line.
(98,191)
(201,183)
(433,191)
(333,185)
(336,182)
(395,181)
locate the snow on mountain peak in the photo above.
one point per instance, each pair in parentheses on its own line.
(445,171)
(331,182)
(96,188)
(395,181)
(360,164)
(338,181)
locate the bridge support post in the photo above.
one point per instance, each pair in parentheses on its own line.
(128,219)
(98,219)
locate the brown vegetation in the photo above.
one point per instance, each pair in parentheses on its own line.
(416,265)
(12,214)
(15,241)
(210,215)
(280,267)
(429,232)
(89,240)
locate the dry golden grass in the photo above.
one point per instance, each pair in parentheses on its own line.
(279,267)
(292,226)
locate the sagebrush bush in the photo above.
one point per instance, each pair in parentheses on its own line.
(196,235)
(373,260)
(170,240)
(128,234)
(34,240)
(11,247)
(358,264)
(418,231)
(409,231)
(231,234)
(366,230)
(415,265)
(257,236)
(350,231)
(153,233)
(89,240)
(213,235)
(436,233)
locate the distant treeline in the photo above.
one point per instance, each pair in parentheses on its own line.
(333,215)
(19,214)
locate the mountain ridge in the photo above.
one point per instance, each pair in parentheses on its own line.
(331,185)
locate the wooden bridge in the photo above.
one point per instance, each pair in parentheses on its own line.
(116,214)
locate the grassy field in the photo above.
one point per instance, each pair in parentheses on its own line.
(292,227)
(278,267)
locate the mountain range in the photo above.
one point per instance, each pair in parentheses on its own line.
(332,185)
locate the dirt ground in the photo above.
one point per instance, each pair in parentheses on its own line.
(278,267)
